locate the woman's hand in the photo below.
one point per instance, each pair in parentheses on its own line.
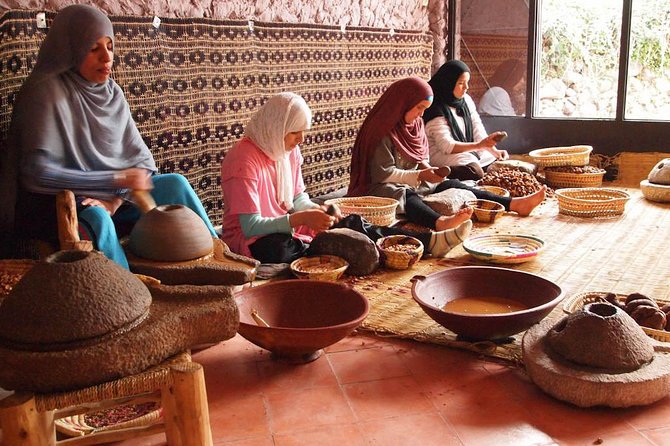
(499,154)
(134,178)
(110,206)
(430,176)
(487,143)
(315,219)
(333,211)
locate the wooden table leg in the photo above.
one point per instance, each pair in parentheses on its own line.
(185,410)
(23,425)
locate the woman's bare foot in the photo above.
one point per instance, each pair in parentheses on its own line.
(525,205)
(452,221)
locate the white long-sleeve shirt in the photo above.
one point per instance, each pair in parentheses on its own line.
(441,141)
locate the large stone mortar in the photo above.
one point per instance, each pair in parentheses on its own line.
(177,318)
(585,384)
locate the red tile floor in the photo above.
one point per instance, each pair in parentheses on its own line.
(368,390)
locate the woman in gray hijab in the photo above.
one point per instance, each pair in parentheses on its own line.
(72,129)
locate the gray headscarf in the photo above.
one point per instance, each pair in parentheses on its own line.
(63,118)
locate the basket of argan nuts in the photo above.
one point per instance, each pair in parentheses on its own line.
(653,315)
(399,251)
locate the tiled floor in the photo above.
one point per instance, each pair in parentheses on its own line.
(368,390)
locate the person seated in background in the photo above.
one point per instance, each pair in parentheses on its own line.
(390,158)
(72,129)
(496,101)
(456,135)
(267,213)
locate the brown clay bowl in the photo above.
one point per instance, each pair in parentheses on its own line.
(303,315)
(537,294)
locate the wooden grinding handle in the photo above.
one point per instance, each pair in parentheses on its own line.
(143,200)
(68,225)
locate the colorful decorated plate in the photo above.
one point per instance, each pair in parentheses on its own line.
(504,248)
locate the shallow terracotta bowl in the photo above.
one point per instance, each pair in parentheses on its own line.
(432,292)
(303,315)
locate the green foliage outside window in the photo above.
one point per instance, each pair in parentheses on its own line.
(585,36)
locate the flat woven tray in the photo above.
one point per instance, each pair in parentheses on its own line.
(504,248)
(591,202)
(576,302)
(568,179)
(561,156)
(377,210)
(655,192)
(117,418)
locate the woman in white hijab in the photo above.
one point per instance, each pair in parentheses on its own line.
(267,213)
(72,129)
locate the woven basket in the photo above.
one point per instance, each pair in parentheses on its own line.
(591,202)
(655,192)
(495,190)
(399,259)
(379,211)
(485,211)
(323,267)
(561,156)
(568,179)
(576,302)
(11,271)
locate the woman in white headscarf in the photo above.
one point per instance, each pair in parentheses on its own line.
(72,129)
(267,213)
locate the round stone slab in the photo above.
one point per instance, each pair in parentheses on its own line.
(587,387)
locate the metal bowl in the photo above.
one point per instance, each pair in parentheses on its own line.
(537,294)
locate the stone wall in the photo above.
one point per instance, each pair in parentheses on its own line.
(396,14)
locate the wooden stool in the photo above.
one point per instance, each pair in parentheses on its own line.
(29,419)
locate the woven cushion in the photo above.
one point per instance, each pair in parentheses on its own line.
(449,201)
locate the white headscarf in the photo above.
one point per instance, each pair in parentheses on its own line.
(279,116)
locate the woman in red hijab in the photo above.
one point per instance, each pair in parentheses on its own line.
(390,159)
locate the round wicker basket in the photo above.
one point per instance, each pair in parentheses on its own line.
(495,190)
(655,192)
(485,211)
(569,179)
(576,302)
(394,257)
(591,202)
(323,267)
(561,156)
(379,211)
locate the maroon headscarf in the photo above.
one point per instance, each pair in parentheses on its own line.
(387,117)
